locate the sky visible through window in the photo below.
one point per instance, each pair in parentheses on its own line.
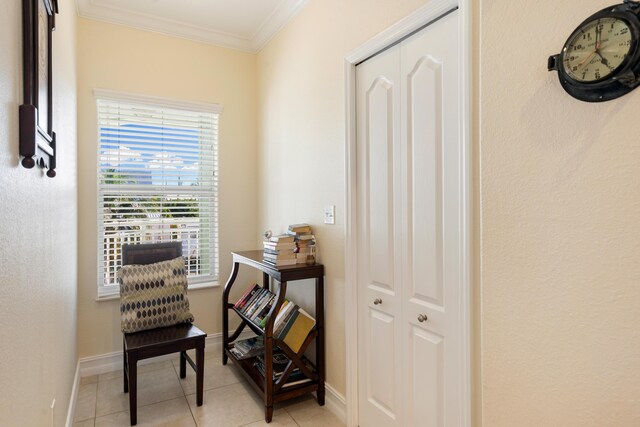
(147,154)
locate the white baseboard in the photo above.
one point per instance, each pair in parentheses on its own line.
(336,403)
(71,412)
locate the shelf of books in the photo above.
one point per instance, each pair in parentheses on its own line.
(283,332)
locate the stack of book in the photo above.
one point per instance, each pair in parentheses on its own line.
(255,304)
(279,250)
(280,362)
(250,347)
(305,242)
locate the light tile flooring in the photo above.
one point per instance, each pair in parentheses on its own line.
(166,400)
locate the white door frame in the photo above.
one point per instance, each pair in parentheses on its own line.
(393,34)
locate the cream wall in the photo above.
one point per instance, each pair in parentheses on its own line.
(557,202)
(141,62)
(302,138)
(556,292)
(38,215)
(560,219)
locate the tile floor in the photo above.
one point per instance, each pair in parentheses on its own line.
(166,400)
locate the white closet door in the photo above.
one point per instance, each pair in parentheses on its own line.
(379,244)
(409,190)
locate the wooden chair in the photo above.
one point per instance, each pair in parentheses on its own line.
(160,341)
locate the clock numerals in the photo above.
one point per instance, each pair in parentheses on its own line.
(600,60)
(595,52)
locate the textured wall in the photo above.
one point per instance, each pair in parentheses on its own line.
(38,254)
(302,137)
(560,243)
(142,62)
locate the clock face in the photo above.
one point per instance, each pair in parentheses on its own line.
(597,49)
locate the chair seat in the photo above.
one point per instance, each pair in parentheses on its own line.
(146,341)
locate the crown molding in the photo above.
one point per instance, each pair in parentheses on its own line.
(285,11)
(275,22)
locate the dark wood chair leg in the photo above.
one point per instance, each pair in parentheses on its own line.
(125,368)
(133,390)
(183,364)
(268,413)
(199,373)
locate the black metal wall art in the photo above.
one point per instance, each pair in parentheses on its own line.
(37,138)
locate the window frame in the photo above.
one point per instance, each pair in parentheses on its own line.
(106,292)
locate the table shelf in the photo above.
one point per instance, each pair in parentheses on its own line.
(275,391)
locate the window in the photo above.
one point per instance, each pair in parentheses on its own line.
(157,181)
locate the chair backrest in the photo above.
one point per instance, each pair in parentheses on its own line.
(148,253)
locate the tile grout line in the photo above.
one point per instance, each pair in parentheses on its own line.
(291,415)
(186,400)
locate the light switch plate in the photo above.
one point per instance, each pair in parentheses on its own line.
(330,214)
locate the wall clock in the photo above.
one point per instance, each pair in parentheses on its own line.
(600,60)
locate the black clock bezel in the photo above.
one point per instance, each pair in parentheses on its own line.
(620,81)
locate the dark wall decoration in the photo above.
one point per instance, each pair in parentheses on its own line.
(37,138)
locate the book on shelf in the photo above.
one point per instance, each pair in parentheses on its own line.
(247,348)
(283,309)
(282,320)
(297,330)
(251,304)
(279,364)
(246,297)
(292,324)
(255,295)
(257,303)
(263,321)
(262,312)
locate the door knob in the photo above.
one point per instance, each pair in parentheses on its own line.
(377,301)
(422,318)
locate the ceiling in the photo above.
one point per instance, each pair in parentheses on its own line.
(238,24)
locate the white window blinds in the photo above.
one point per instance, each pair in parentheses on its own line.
(157,181)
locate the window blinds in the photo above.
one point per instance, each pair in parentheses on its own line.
(157,181)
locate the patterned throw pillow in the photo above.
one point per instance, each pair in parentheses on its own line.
(153,295)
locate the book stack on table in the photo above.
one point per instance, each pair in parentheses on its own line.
(279,250)
(305,243)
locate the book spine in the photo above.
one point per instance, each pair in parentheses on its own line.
(248,294)
(251,299)
(249,308)
(289,324)
(265,305)
(282,311)
(259,303)
(241,304)
(281,319)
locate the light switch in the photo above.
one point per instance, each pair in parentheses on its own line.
(330,214)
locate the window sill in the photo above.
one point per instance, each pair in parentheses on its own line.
(109,295)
